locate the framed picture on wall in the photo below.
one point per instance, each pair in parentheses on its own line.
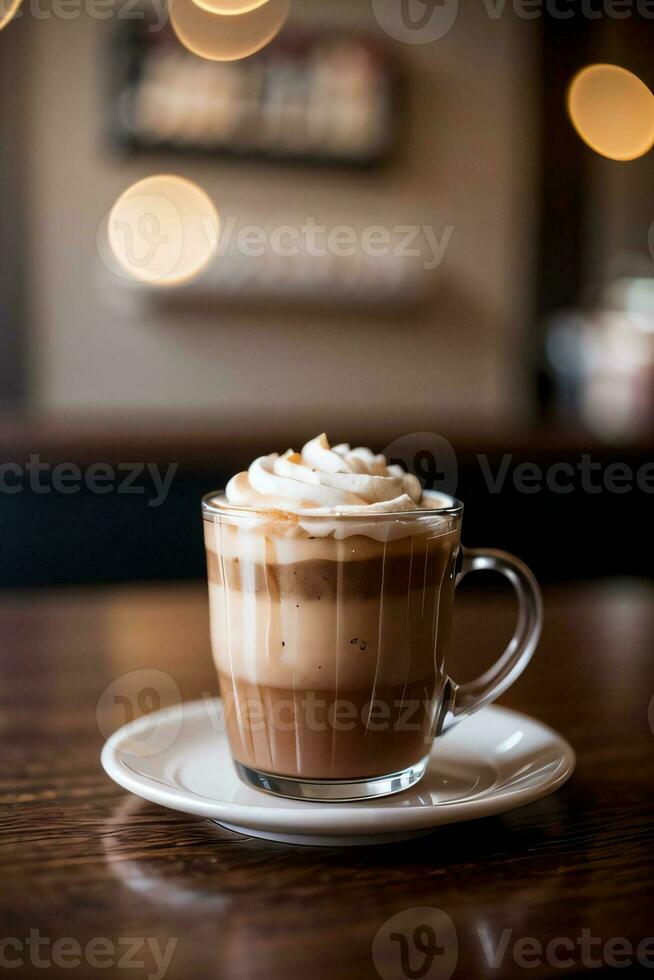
(315,97)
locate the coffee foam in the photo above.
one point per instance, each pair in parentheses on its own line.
(275,537)
(335,492)
(325,481)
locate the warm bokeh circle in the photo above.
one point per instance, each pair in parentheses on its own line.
(8,10)
(230,6)
(163,230)
(225,37)
(613,111)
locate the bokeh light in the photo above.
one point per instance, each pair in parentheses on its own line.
(226,37)
(230,6)
(612,111)
(7,10)
(163,230)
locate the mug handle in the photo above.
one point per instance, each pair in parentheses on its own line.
(462,700)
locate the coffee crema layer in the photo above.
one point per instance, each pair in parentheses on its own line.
(398,571)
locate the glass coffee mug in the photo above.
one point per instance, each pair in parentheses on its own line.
(331,636)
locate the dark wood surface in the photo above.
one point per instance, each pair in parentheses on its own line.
(80,858)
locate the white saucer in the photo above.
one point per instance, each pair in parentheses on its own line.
(495,761)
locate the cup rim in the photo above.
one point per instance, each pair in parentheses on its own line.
(210,510)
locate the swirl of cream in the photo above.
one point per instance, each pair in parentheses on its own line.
(325,479)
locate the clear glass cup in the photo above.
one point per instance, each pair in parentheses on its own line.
(331,639)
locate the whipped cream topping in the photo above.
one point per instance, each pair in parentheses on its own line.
(327,480)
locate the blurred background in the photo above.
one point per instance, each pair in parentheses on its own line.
(523,329)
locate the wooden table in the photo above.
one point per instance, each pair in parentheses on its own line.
(82,861)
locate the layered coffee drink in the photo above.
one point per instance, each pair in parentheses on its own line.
(331,578)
